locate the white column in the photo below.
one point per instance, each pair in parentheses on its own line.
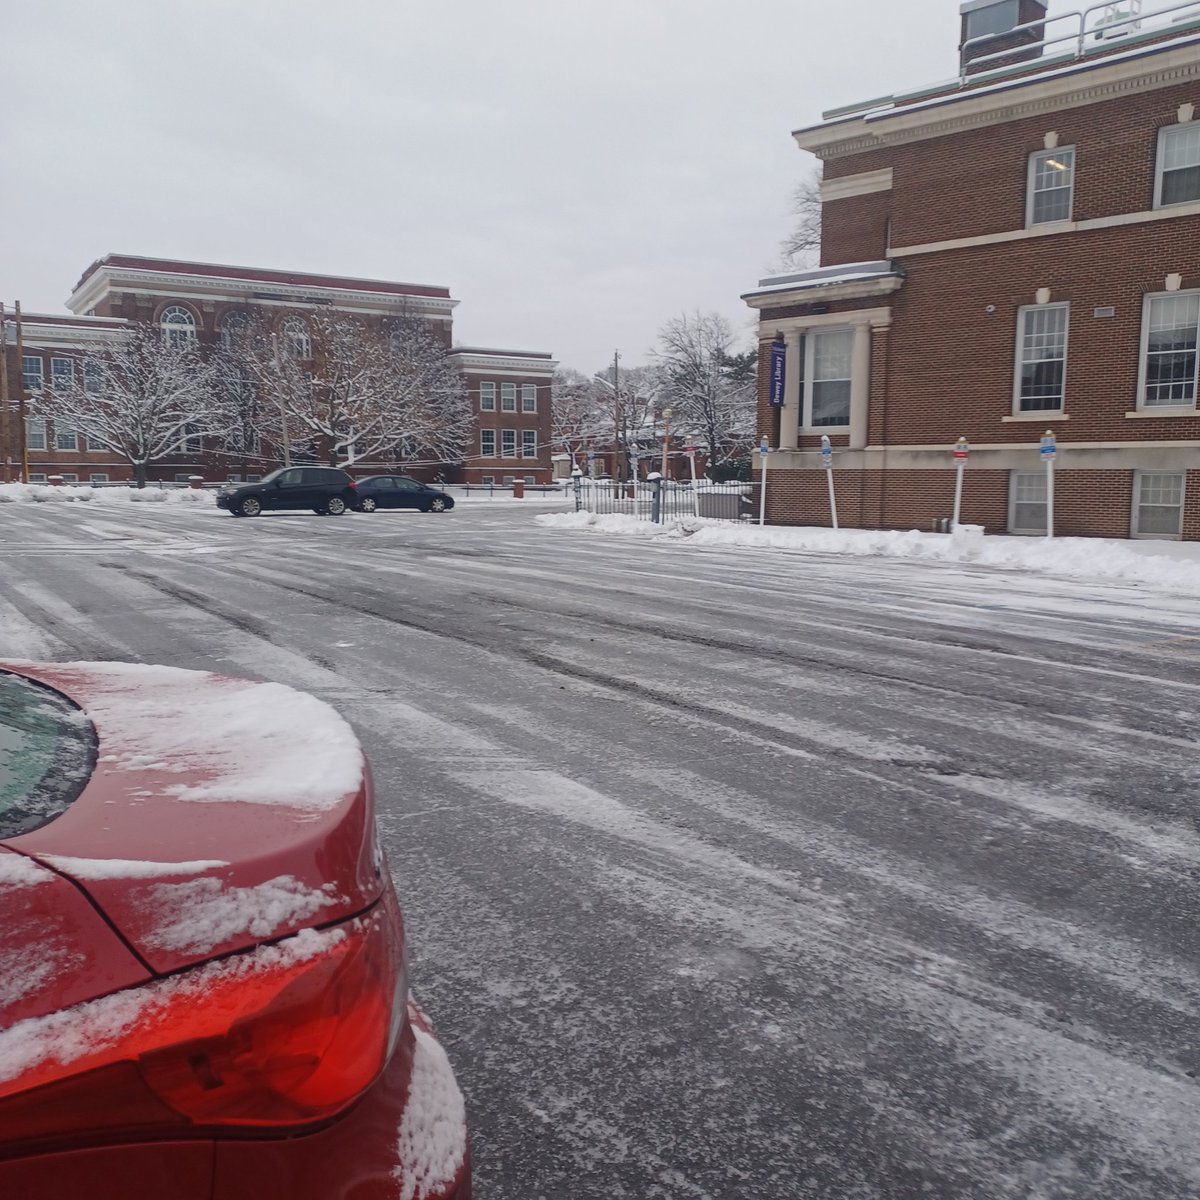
(789,417)
(860,386)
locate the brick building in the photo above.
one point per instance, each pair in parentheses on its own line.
(1013,252)
(208,303)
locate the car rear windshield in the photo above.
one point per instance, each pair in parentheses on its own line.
(47,751)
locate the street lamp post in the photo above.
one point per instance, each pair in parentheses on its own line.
(666,439)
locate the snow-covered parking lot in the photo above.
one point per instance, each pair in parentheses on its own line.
(730,870)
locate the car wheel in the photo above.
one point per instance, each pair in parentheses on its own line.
(335,506)
(367,505)
(251,506)
(438,505)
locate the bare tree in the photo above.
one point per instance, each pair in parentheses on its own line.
(710,387)
(143,397)
(576,420)
(802,247)
(627,401)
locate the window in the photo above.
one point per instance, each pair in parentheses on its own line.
(70,479)
(65,438)
(529,447)
(1041,358)
(296,341)
(233,329)
(995,18)
(98,477)
(487,443)
(182,478)
(178,327)
(35,435)
(508,397)
(37,477)
(487,397)
(93,377)
(1177,176)
(31,372)
(508,443)
(62,373)
(191,442)
(1169,335)
(508,480)
(1027,502)
(233,479)
(1051,186)
(530,480)
(94,444)
(827,378)
(528,397)
(489,480)
(1158,504)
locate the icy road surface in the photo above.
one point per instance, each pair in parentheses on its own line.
(729,873)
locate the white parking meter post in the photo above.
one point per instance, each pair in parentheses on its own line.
(764,448)
(1049,452)
(827,464)
(962,452)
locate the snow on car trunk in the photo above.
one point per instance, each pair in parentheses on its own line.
(222,813)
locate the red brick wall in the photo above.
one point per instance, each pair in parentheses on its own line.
(855,229)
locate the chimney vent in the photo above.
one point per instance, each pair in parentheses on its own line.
(993,27)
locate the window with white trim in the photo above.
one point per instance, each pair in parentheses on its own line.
(93,378)
(35,435)
(37,477)
(191,442)
(1027,502)
(32,368)
(296,341)
(62,373)
(1041,358)
(98,477)
(65,438)
(234,327)
(530,480)
(487,443)
(528,397)
(487,397)
(508,397)
(529,443)
(1177,170)
(508,443)
(178,326)
(509,480)
(1051,186)
(828,357)
(1158,504)
(94,444)
(1170,332)
(489,480)
(70,479)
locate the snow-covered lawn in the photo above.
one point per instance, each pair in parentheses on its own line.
(1173,566)
(42,493)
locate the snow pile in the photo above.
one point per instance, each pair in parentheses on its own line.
(42,493)
(1170,565)
(73,1037)
(204,913)
(257,743)
(120,868)
(433,1131)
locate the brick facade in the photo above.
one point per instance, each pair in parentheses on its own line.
(930,258)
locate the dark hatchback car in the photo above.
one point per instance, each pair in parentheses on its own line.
(399,491)
(325,490)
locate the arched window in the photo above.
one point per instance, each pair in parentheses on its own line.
(233,329)
(178,327)
(296,341)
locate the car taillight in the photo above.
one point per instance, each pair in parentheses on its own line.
(353,486)
(284,1036)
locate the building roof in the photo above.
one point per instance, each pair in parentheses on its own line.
(266,275)
(482,350)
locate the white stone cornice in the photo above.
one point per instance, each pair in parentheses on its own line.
(863,184)
(857,290)
(53,336)
(503,365)
(876,318)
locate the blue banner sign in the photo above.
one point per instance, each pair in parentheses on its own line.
(778,373)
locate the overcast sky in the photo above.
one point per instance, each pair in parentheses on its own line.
(576,171)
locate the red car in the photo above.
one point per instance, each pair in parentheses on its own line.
(202,976)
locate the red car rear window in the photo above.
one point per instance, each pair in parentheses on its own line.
(47,750)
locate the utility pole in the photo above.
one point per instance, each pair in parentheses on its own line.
(4,443)
(618,419)
(21,427)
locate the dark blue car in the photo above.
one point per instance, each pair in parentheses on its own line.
(399,491)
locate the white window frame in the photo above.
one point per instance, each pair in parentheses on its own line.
(810,351)
(98,477)
(38,376)
(176,330)
(1031,193)
(93,446)
(35,434)
(190,442)
(1134,531)
(70,477)
(235,324)
(508,397)
(529,446)
(1164,133)
(295,338)
(530,480)
(37,477)
(1019,360)
(66,440)
(1012,505)
(487,396)
(508,480)
(1144,354)
(93,377)
(528,398)
(486,435)
(508,443)
(57,373)
(488,481)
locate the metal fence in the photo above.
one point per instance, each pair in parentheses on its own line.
(660,500)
